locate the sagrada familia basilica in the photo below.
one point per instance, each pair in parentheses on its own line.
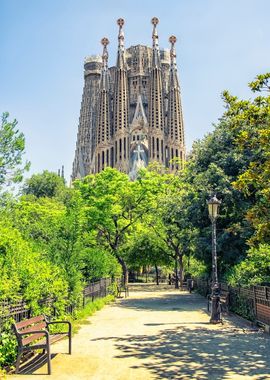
(131,113)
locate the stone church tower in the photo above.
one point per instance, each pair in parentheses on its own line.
(131,113)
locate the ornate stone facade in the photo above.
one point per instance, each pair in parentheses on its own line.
(131,113)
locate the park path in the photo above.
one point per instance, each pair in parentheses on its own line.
(159,334)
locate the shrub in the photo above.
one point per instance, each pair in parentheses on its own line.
(254,270)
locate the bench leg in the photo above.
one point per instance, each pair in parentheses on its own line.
(49,360)
(18,362)
(69,343)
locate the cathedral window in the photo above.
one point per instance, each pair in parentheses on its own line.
(103,159)
(166,152)
(98,163)
(112,154)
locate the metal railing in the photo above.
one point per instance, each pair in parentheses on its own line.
(250,302)
(19,310)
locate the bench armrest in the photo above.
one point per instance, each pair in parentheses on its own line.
(59,322)
(50,323)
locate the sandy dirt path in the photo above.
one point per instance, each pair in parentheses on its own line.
(159,335)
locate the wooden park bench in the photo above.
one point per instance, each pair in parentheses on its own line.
(224,301)
(33,334)
(121,288)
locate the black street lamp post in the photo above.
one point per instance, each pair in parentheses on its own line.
(213,206)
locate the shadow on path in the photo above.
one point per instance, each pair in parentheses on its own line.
(200,353)
(167,302)
(35,363)
(193,349)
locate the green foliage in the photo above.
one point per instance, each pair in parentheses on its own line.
(38,219)
(243,306)
(146,249)
(46,184)
(261,83)
(254,270)
(25,274)
(112,206)
(8,346)
(98,263)
(233,162)
(249,122)
(169,217)
(213,166)
(195,268)
(12,146)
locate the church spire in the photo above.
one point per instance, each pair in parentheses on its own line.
(175,114)
(156,101)
(173,68)
(156,55)
(121,104)
(103,137)
(121,44)
(104,83)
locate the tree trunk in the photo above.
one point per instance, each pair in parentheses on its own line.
(181,271)
(157,279)
(176,274)
(124,269)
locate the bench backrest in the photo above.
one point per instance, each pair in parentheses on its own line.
(27,327)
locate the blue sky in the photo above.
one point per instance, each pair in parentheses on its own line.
(222,44)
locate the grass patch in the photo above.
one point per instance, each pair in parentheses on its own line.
(80,318)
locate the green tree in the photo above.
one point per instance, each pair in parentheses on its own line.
(254,270)
(113,205)
(170,220)
(25,273)
(214,164)
(249,122)
(261,83)
(146,249)
(46,184)
(98,263)
(12,148)
(38,219)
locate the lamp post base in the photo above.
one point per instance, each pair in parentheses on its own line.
(215,312)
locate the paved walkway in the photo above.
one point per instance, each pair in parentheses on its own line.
(160,335)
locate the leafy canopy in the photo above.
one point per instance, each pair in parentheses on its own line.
(12,148)
(46,184)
